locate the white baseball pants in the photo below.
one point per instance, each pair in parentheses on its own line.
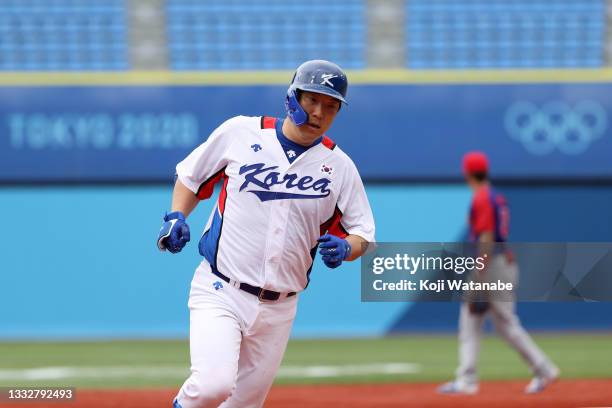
(237,343)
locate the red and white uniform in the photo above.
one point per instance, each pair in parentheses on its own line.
(262,232)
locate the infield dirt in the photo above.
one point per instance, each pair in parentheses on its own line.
(564,393)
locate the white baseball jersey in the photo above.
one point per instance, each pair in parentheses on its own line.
(264,228)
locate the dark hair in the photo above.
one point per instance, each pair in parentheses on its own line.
(480,176)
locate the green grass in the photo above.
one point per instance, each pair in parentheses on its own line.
(165,363)
(579,356)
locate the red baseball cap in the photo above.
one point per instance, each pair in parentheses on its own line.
(475,162)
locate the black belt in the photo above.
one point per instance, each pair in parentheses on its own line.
(262,294)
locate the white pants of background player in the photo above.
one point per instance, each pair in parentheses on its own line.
(236,341)
(507,324)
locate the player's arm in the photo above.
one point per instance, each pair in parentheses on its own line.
(183,199)
(358,246)
(356,225)
(479,304)
(486,242)
(486,245)
(196,177)
(484,227)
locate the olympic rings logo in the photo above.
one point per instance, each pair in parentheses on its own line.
(556,126)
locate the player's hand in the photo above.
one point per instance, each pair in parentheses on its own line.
(333,250)
(174,233)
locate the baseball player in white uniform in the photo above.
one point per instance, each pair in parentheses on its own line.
(287,190)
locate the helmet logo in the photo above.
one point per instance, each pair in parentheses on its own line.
(325,79)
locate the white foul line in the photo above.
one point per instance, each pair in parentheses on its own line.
(347,370)
(117,372)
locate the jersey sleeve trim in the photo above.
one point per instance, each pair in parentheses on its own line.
(223,194)
(268,122)
(327,142)
(333,225)
(209,243)
(207,187)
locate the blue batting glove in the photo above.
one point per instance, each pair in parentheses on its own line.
(174,233)
(333,250)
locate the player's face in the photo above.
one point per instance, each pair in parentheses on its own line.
(469,180)
(321,109)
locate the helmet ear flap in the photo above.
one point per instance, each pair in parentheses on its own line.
(296,113)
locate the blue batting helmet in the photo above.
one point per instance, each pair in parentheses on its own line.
(317,76)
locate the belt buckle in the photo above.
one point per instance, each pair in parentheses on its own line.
(261,298)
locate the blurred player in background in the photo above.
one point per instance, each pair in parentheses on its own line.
(286,190)
(489,222)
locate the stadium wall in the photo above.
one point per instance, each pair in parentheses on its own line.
(81,262)
(401,131)
(79,258)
